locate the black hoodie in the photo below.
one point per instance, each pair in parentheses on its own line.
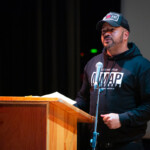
(125,80)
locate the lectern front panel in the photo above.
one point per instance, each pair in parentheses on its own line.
(23,126)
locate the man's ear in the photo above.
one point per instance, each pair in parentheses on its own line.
(126,34)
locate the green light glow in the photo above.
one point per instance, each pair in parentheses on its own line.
(93,50)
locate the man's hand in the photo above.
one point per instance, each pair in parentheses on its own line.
(111,120)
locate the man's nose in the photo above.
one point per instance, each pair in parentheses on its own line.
(107,33)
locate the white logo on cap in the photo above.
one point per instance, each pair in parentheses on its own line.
(111,16)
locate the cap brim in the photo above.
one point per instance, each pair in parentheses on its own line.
(111,22)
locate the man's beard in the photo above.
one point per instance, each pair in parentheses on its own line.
(109,45)
(113,43)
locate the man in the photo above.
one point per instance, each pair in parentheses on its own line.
(124,103)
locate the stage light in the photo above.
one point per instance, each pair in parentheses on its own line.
(81,54)
(93,50)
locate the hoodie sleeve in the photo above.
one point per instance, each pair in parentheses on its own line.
(141,114)
(83,95)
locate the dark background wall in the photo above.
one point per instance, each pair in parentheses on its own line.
(41,42)
(39,47)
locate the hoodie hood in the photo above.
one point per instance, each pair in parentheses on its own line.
(132,52)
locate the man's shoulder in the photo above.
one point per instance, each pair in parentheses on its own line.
(90,65)
(141,63)
(95,59)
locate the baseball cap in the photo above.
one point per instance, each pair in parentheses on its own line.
(115,20)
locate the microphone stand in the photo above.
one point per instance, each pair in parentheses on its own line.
(95,133)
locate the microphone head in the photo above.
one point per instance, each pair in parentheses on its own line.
(99,64)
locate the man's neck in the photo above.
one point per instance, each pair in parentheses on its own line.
(116,51)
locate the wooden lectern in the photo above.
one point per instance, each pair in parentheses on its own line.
(36,123)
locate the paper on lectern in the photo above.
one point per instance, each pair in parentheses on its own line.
(61,96)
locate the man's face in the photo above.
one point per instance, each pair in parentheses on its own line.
(111,37)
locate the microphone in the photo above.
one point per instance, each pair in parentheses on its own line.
(98,66)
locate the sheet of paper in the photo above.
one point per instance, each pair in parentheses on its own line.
(61,96)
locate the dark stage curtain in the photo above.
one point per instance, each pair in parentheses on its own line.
(40,47)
